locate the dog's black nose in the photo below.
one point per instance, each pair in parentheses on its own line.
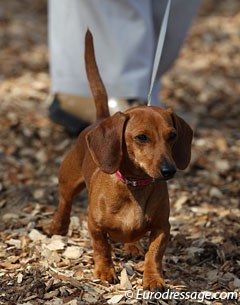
(167,169)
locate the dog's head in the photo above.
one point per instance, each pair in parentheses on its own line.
(148,139)
(156,141)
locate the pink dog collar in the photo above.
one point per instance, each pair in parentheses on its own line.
(134,182)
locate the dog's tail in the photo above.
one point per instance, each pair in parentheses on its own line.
(96,84)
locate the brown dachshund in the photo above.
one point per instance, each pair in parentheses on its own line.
(124,161)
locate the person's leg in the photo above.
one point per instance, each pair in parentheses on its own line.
(124,45)
(123,40)
(182,13)
(125,35)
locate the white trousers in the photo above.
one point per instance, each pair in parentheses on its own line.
(125,36)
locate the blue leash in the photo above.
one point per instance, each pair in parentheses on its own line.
(158,53)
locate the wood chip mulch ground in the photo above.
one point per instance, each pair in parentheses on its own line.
(204,250)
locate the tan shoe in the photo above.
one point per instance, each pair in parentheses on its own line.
(75,113)
(78,106)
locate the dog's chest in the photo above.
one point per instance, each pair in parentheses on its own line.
(129,218)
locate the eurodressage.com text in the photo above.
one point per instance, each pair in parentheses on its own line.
(141,294)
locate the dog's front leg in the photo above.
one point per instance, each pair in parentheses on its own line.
(103,269)
(152,276)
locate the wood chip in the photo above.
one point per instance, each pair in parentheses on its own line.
(35,235)
(115,299)
(124,280)
(55,245)
(73,252)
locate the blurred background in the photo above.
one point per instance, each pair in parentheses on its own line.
(204,84)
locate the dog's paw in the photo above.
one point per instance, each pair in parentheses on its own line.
(153,282)
(134,249)
(56,228)
(106,274)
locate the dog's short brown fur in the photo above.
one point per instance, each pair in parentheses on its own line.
(138,143)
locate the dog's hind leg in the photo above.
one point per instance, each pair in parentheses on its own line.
(134,249)
(71,182)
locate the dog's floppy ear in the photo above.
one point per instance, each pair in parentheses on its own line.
(182,146)
(105,142)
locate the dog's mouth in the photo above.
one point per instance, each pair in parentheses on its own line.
(162,178)
(168,178)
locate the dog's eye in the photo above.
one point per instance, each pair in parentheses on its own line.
(142,138)
(172,136)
